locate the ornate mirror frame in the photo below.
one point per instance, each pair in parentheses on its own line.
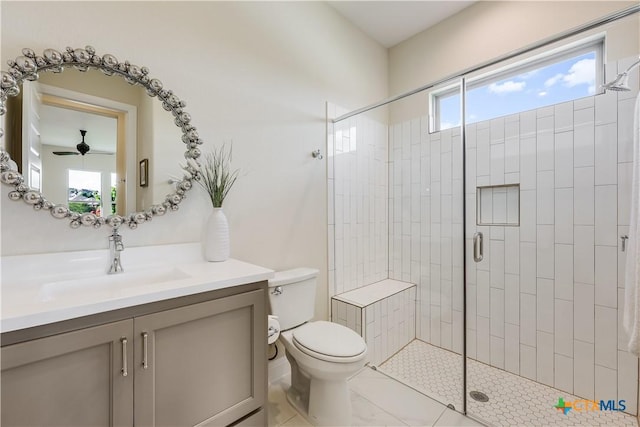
(27,67)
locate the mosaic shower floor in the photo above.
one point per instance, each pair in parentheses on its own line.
(513,400)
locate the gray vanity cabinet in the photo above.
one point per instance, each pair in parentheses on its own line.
(201,363)
(71,379)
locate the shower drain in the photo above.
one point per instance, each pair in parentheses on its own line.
(479,396)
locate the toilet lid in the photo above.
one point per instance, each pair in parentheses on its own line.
(330,339)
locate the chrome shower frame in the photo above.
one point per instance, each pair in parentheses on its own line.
(620,83)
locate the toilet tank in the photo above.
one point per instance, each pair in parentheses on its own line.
(292,296)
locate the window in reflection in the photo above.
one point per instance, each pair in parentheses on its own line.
(84,191)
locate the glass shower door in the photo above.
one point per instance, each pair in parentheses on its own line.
(426,235)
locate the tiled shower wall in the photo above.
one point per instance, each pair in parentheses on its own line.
(358,234)
(425,215)
(546,301)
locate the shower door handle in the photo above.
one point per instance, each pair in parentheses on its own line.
(477,247)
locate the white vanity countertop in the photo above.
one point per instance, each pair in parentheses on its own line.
(42,289)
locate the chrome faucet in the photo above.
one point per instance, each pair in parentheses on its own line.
(115,246)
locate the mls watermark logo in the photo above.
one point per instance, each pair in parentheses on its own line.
(584,405)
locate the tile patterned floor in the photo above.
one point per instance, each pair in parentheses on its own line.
(376,400)
(513,400)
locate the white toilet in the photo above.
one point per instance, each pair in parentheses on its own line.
(323,355)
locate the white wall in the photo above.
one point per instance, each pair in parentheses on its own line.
(257,73)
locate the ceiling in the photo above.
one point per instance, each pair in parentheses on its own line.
(391,22)
(61,127)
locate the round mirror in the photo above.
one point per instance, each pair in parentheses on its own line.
(86,139)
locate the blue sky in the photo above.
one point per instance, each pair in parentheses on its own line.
(563,81)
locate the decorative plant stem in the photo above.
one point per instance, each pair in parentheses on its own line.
(216,176)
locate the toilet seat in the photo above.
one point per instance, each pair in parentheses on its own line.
(329,341)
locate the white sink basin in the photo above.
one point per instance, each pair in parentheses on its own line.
(112,284)
(47,288)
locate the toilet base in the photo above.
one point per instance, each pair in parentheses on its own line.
(329,403)
(321,402)
(319,389)
(297,402)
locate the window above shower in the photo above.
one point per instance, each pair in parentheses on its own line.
(563,74)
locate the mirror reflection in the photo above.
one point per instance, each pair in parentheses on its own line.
(78,138)
(78,150)
(140,136)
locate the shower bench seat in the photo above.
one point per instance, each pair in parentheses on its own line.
(383,313)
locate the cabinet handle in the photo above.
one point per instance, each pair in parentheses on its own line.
(478,247)
(124,357)
(145,346)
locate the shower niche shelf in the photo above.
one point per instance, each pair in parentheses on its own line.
(498,205)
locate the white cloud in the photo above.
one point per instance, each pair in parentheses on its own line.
(507,87)
(582,72)
(542,93)
(553,80)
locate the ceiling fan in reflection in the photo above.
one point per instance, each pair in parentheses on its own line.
(83,148)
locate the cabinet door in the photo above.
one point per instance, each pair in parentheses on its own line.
(205,363)
(258,419)
(72,379)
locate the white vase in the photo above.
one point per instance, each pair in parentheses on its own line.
(216,237)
